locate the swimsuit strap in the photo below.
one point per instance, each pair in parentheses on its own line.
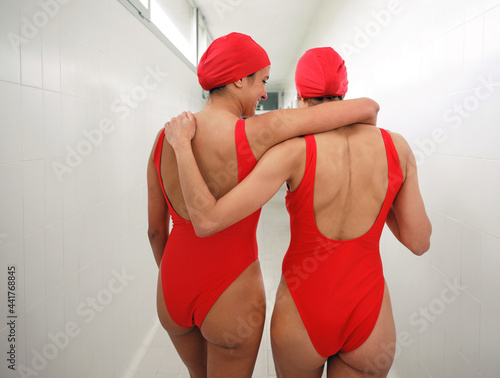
(310,170)
(392,154)
(302,198)
(246,161)
(157,158)
(246,158)
(176,218)
(395,176)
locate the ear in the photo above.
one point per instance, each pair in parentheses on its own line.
(301,103)
(239,83)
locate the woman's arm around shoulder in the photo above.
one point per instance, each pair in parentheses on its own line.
(407,218)
(274,168)
(269,129)
(158,213)
(209,215)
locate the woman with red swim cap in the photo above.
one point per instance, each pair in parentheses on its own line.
(210,291)
(332,304)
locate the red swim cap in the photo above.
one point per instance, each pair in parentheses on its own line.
(321,72)
(230,58)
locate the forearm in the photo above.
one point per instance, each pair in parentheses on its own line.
(158,241)
(410,225)
(197,197)
(158,213)
(334,114)
(331,115)
(209,215)
(392,223)
(280,125)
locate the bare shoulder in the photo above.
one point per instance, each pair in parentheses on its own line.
(398,139)
(406,157)
(158,135)
(289,157)
(154,144)
(266,120)
(400,143)
(290,149)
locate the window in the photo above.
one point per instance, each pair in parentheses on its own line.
(204,38)
(177,22)
(142,7)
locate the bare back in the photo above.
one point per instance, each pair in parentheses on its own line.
(215,152)
(351,180)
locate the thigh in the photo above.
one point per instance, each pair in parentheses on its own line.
(233,326)
(188,342)
(375,356)
(293,352)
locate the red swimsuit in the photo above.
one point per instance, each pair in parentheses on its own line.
(337,286)
(196,271)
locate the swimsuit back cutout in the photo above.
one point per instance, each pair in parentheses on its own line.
(196,271)
(337,285)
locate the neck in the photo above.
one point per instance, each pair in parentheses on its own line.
(225,102)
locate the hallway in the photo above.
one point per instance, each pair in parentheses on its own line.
(85,86)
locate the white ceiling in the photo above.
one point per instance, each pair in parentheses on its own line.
(279,26)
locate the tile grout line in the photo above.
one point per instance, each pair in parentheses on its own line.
(143,348)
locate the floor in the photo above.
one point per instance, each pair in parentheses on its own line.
(161,359)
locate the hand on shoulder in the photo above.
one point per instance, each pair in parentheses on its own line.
(180,130)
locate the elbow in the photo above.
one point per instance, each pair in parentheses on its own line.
(204,228)
(156,233)
(373,105)
(423,244)
(201,232)
(373,108)
(420,248)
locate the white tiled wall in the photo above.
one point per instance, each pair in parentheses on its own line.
(85,274)
(434,67)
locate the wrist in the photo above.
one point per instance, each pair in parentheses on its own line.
(182,148)
(182,145)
